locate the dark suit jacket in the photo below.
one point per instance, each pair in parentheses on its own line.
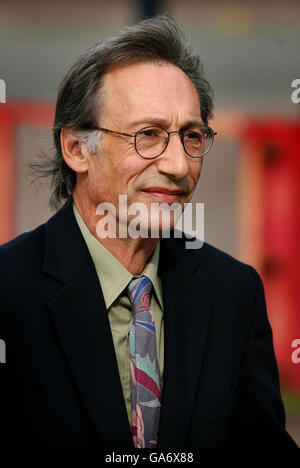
(60,386)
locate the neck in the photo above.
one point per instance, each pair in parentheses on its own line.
(132,253)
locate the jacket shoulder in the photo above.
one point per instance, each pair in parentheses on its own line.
(22,250)
(27,245)
(216,269)
(212,256)
(220,258)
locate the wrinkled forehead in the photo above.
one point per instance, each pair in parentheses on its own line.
(155,88)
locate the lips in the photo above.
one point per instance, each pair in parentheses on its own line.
(164,194)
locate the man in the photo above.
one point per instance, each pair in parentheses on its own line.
(132,341)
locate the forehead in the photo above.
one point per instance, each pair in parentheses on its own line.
(160,90)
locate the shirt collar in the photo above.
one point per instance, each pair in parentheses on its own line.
(113,276)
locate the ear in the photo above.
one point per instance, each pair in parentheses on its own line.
(75,153)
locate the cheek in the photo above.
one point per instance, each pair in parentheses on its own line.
(195,170)
(99,177)
(129,168)
(115,171)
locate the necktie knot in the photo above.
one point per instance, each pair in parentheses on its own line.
(139,290)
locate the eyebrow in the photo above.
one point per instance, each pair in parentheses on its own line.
(162,122)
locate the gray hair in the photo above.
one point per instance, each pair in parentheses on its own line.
(78,102)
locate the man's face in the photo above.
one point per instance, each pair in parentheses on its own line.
(135,96)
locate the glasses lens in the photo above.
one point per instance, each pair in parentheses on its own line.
(151,141)
(198,140)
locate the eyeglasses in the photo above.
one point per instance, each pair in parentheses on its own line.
(150,142)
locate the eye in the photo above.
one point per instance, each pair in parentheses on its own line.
(194,135)
(150,132)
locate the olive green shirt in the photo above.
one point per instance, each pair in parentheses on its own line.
(114,279)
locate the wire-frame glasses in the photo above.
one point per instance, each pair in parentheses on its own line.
(150,142)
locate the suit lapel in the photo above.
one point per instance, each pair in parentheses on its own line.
(80,318)
(186,317)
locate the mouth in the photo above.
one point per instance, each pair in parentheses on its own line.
(163,194)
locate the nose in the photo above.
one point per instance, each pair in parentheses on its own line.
(173,162)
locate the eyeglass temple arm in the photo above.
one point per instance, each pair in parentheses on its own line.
(94,127)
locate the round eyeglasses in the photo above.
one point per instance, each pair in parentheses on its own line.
(150,142)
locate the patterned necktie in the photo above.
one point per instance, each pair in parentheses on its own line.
(144,367)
